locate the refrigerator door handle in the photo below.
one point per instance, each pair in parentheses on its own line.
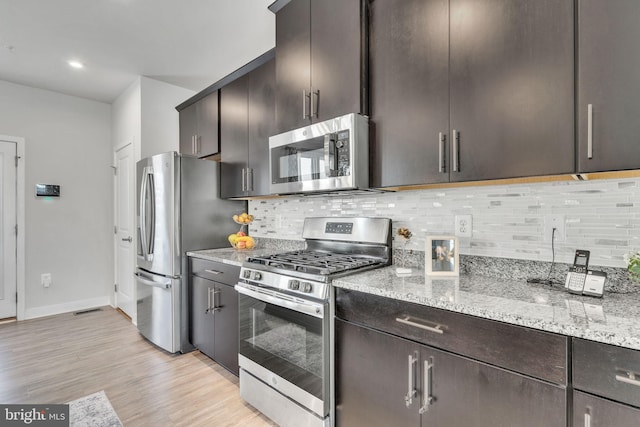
(163,285)
(143,215)
(148,188)
(152,235)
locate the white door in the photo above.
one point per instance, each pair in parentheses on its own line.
(125,237)
(8,221)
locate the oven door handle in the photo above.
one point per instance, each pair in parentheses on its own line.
(308,307)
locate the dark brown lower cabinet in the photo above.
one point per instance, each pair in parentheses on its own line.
(592,411)
(385,380)
(214,321)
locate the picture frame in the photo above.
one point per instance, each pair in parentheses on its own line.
(442,256)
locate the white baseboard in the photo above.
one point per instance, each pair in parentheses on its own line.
(49,310)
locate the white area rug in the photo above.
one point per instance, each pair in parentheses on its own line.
(94,410)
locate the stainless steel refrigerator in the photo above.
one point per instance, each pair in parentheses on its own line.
(178,210)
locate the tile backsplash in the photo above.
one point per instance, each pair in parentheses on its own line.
(602,216)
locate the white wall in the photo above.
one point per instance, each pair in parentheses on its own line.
(67,142)
(126,118)
(160,121)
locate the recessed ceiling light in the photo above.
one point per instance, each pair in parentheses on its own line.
(75,64)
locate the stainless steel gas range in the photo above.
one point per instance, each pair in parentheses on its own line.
(284,316)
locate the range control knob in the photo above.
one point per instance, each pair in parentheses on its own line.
(246,274)
(294,284)
(306,287)
(257,275)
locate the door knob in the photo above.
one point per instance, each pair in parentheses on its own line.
(128,239)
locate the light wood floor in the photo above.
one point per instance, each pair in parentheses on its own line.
(61,358)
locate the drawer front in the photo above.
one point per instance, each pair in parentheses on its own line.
(607,370)
(596,412)
(217,271)
(538,354)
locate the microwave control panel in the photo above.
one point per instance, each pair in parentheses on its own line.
(342,153)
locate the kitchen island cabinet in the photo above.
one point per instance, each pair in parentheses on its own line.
(199,127)
(247,120)
(608,90)
(471,90)
(321,65)
(214,311)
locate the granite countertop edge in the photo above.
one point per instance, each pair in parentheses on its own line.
(480,303)
(491,298)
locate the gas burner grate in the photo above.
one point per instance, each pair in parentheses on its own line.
(313,262)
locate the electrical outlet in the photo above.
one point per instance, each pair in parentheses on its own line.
(557,222)
(45,279)
(464,226)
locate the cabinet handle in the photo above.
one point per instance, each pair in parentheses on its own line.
(456,143)
(213,271)
(587,419)
(411,391)
(215,306)
(244,181)
(249,179)
(630,378)
(441,156)
(314,111)
(304,104)
(208,310)
(196,144)
(406,320)
(590,131)
(428,399)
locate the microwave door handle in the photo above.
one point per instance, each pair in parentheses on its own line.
(143,214)
(330,155)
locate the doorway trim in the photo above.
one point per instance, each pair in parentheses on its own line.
(114,294)
(20,219)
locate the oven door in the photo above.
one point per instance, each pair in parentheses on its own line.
(284,341)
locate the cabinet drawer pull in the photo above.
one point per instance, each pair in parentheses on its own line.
(411,392)
(629,378)
(587,419)
(213,271)
(428,399)
(590,131)
(406,320)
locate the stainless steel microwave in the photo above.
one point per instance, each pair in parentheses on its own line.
(325,156)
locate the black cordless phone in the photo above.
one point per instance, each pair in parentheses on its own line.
(578,273)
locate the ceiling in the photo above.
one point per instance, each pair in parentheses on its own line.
(188,43)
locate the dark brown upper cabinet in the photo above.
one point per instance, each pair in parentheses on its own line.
(409,65)
(608,89)
(199,127)
(320,63)
(466,90)
(247,120)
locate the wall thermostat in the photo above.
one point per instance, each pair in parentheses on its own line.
(47,190)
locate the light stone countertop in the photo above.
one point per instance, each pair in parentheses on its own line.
(614,319)
(230,255)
